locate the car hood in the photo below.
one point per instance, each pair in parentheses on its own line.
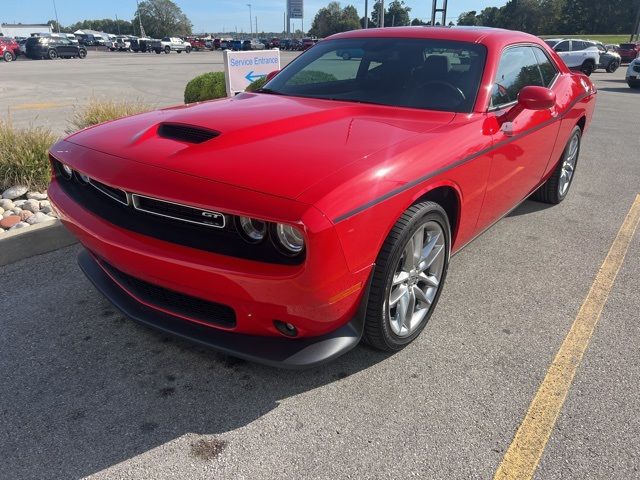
(268,143)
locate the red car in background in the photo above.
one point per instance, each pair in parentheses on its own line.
(197,43)
(9,49)
(628,51)
(287,236)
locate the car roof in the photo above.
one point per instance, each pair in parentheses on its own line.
(465,34)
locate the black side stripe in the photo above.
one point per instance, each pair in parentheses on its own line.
(462,161)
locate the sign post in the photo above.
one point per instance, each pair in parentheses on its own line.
(243,68)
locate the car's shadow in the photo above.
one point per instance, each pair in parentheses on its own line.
(84,388)
(529,206)
(619,90)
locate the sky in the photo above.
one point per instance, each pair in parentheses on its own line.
(209,15)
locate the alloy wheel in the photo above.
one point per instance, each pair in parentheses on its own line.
(416,279)
(569,165)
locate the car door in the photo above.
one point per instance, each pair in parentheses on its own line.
(523,147)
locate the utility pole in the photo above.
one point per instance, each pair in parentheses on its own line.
(250,20)
(56,12)
(635,34)
(366,13)
(381,16)
(142,34)
(256,25)
(435,10)
(118,24)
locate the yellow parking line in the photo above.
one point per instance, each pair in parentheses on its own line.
(523,455)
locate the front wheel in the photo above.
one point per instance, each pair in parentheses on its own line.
(555,189)
(52,54)
(633,84)
(82,53)
(408,277)
(167,50)
(158,51)
(188,50)
(612,67)
(8,56)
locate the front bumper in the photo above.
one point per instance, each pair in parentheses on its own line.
(274,351)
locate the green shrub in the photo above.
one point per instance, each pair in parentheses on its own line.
(305,77)
(99,111)
(207,86)
(256,84)
(23,156)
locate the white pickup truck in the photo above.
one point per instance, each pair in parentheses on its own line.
(577,54)
(169,44)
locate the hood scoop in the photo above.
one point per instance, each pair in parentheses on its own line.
(186,133)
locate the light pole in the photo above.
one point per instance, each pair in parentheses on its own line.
(250,20)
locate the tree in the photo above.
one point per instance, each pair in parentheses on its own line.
(395,16)
(468,18)
(106,25)
(489,17)
(334,19)
(417,22)
(163,18)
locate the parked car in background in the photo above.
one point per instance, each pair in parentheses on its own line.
(629,51)
(216,43)
(141,44)
(255,45)
(171,44)
(274,43)
(576,54)
(308,43)
(197,44)
(23,46)
(121,43)
(285,44)
(225,44)
(609,59)
(52,48)
(633,73)
(9,49)
(348,54)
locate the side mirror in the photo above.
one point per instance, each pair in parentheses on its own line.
(529,98)
(536,98)
(270,75)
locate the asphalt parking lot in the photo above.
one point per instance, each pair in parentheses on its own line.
(46,92)
(88,393)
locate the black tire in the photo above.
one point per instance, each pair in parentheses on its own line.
(346,56)
(377,328)
(167,50)
(588,67)
(82,53)
(52,54)
(158,51)
(549,192)
(613,66)
(188,49)
(633,84)
(7,56)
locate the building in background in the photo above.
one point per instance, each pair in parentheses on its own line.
(24,29)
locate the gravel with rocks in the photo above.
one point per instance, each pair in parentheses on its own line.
(20,208)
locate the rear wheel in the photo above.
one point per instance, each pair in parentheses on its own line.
(52,54)
(82,53)
(408,277)
(555,189)
(167,50)
(588,67)
(158,51)
(188,49)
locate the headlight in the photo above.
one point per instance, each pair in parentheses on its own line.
(66,170)
(290,238)
(252,230)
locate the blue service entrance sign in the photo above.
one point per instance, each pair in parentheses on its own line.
(242,68)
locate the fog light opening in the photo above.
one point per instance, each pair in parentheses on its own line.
(285,328)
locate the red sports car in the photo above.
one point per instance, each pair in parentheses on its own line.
(285,225)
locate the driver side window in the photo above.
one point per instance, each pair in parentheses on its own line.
(518,68)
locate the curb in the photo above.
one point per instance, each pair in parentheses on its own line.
(35,240)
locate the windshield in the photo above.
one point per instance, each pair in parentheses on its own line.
(404,72)
(627,45)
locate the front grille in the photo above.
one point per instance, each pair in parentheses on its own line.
(170,222)
(178,212)
(186,133)
(115,193)
(214,314)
